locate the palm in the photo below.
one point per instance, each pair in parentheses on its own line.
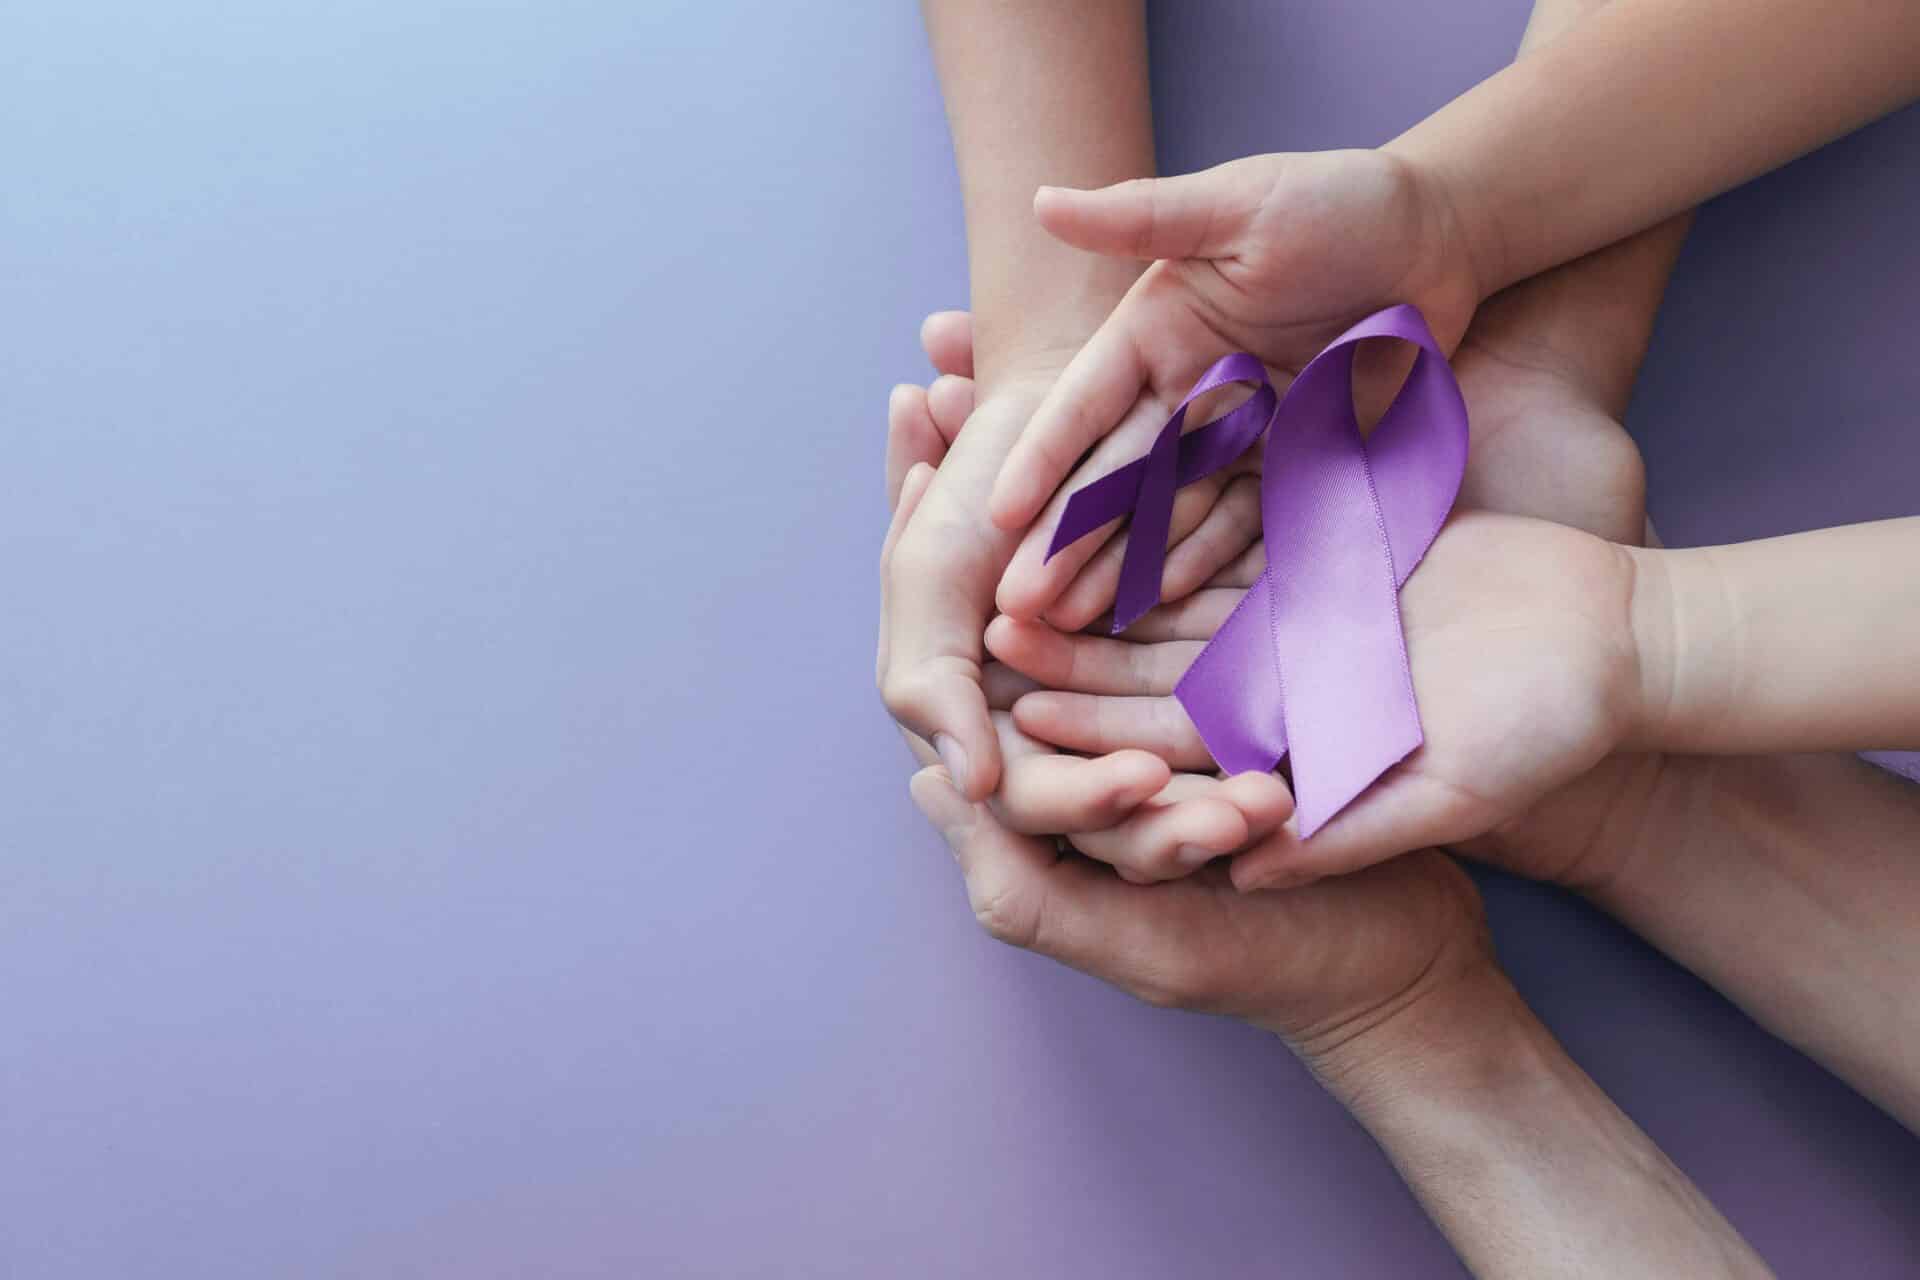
(1305,964)
(1513,633)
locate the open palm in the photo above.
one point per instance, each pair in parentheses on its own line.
(1516,636)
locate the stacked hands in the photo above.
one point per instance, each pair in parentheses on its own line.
(1606,716)
(1537,649)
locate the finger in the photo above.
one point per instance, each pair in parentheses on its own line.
(1167,839)
(1193,215)
(1046,793)
(1033,580)
(1092,396)
(1245,569)
(1231,526)
(912,489)
(1092,591)
(1089,664)
(1395,816)
(1009,876)
(950,402)
(1137,938)
(1263,800)
(1004,686)
(933,609)
(911,436)
(947,338)
(1099,725)
(1194,617)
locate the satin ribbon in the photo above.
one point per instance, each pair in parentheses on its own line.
(1313,661)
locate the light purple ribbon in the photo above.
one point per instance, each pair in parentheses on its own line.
(1313,658)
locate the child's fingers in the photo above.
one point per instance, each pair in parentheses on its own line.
(1004,686)
(1262,799)
(1097,725)
(947,338)
(1192,215)
(1394,816)
(950,402)
(1194,617)
(1245,569)
(1089,664)
(1232,525)
(911,436)
(1047,793)
(1167,839)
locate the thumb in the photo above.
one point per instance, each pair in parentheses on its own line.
(1193,215)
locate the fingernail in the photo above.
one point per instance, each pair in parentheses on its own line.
(954,756)
(938,803)
(1192,856)
(1283,878)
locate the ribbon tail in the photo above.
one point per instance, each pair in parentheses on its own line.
(1233,691)
(1097,504)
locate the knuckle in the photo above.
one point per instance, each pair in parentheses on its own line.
(1006,914)
(899,691)
(915,559)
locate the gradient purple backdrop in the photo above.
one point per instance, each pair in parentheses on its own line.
(446,825)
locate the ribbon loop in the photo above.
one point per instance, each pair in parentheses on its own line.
(1313,661)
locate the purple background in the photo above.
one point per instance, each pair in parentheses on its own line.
(446,826)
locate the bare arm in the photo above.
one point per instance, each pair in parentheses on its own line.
(1647,109)
(1035,93)
(1803,643)
(1521,1160)
(1792,884)
(1039,94)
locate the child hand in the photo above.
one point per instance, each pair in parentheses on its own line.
(1274,255)
(1125,808)
(1524,664)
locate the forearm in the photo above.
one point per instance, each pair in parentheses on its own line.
(1807,642)
(1649,108)
(1052,93)
(1792,884)
(1521,1160)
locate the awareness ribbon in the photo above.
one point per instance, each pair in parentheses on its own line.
(1313,658)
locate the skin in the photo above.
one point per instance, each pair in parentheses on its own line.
(1541,163)
(1448,1135)
(1032,91)
(1384,984)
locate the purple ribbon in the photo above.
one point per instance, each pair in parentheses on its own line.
(1313,658)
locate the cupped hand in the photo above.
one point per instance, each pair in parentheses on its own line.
(1124,808)
(947,557)
(1331,967)
(1519,640)
(1273,254)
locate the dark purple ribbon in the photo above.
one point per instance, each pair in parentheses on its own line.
(1313,658)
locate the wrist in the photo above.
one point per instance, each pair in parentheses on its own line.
(1030,320)
(1678,609)
(1466,249)
(1465,1042)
